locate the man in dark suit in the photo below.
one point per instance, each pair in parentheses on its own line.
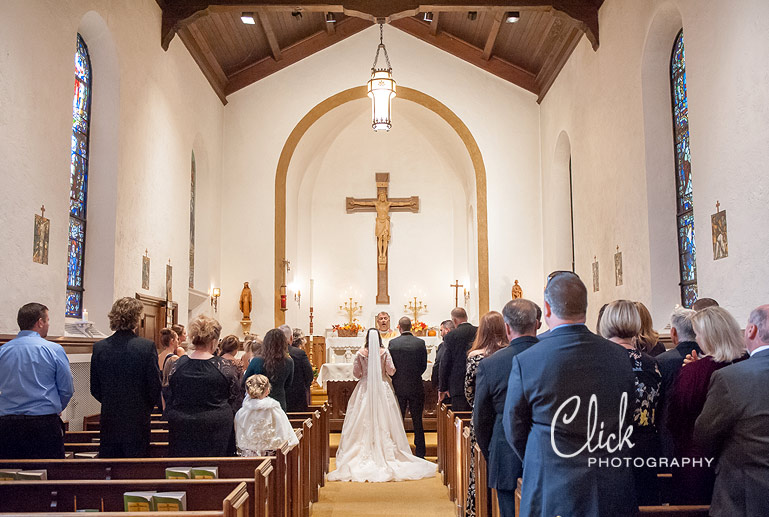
(504,467)
(446,327)
(298,393)
(125,378)
(735,421)
(670,363)
(566,395)
(409,355)
(454,361)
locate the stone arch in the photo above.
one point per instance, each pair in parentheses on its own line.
(409,94)
(659,161)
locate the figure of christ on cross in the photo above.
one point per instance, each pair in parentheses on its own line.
(382,205)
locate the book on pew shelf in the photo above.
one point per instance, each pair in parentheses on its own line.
(32,474)
(205,472)
(69,455)
(170,501)
(87,455)
(138,501)
(8,474)
(178,473)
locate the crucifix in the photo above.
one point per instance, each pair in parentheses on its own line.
(456,285)
(42,211)
(382,205)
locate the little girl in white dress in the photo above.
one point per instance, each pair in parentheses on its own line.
(261,426)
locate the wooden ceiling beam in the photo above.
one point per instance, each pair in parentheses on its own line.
(492,38)
(178,12)
(555,62)
(295,53)
(469,53)
(272,39)
(434,23)
(204,57)
(329,26)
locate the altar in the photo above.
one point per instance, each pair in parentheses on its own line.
(342,349)
(335,376)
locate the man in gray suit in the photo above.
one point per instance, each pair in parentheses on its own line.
(735,424)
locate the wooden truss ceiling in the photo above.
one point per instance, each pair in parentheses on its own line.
(232,55)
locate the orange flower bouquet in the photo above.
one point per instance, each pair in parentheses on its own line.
(419,328)
(348,329)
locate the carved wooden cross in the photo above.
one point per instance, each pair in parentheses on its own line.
(382,205)
(718,206)
(42,211)
(456,287)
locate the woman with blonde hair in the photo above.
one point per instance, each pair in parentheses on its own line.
(491,336)
(719,337)
(622,324)
(202,396)
(648,339)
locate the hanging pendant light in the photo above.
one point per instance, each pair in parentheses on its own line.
(381,90)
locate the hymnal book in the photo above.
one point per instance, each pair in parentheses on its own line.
(32,474)
(170,501)
(86,455)
(138,501)
(8,474)
(178,473)
(205,472)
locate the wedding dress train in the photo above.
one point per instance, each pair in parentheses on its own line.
(374,446)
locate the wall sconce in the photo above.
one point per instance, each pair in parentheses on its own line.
(215,294)
(298,298)
(467,296)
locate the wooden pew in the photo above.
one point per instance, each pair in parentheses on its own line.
(156,436)
(268,473)
(41,496)
(483,496)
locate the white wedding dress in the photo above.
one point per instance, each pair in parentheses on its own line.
(374,446)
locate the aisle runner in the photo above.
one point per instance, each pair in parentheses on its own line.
(426,497)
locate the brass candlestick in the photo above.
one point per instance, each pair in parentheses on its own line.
(352,309)
(416,308)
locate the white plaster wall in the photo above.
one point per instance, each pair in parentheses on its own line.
(164,105)
(502,118)
(598,100)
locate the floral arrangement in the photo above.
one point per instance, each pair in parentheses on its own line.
(418,326)
(348,329)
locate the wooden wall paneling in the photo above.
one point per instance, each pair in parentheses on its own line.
(295,53)
(463,50)
(550,70)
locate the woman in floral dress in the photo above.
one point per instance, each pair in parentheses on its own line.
(491,336)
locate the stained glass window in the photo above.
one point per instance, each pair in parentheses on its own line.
(684,204)
(192,222)
(78,179)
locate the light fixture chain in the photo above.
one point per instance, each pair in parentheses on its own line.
(383,48)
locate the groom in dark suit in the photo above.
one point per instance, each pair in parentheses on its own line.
(504,467)
(409,355)
(453,364)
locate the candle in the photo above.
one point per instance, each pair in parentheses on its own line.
(312,289)
(85,315)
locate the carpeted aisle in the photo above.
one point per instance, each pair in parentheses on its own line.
(426,497)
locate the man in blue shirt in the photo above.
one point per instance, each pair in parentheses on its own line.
(35,387)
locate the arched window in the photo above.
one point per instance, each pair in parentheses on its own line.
(78,197)
(684,202)
(192,222)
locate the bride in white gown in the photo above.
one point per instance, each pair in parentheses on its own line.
(374,446)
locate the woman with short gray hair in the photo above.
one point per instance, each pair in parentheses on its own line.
(621,324)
